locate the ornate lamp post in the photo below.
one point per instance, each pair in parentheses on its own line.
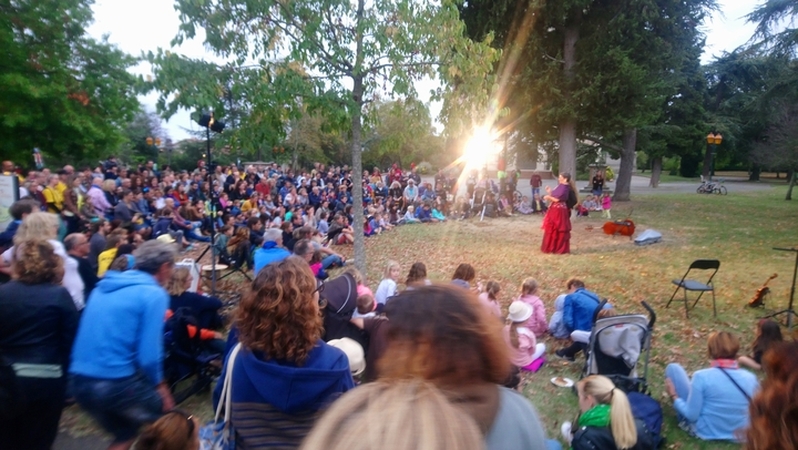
(713,141)
(154,141)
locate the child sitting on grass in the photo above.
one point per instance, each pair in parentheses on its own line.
(524,349)
(387,287)
(529,295)
(489,298)
(768,333)
(366,307)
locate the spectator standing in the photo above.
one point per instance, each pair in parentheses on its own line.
(77,247)
(38,321)
(535,181)
(284,373)
(117,360)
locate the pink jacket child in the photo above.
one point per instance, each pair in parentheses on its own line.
(537,322)
(521,342)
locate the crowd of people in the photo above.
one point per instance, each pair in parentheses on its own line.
(432,365)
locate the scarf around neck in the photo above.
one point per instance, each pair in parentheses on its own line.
(597,416)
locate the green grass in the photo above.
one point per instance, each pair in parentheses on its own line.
(738,230)
(667,178)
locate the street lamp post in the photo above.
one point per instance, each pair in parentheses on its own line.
(154,141)
(713,141)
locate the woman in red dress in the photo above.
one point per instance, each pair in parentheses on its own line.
(557,222)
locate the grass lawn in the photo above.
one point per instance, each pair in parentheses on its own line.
(738,230)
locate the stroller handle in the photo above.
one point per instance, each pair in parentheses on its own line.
(651,314)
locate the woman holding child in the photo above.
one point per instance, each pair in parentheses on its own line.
(557,222)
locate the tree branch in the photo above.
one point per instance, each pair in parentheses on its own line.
(603,143)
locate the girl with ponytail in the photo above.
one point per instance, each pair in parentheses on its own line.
(605,420)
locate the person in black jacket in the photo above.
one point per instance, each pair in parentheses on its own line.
(77,246)
(38,322)
(605,421)
(204,309)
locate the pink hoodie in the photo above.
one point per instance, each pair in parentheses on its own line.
(537,322)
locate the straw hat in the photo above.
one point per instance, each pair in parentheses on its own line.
(354,352)
(519,312)
(166,239)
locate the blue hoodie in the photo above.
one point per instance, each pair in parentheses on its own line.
(269,253)
(121,331)
(275,402)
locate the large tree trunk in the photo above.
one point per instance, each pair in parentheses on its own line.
(792,185)
(756,170)
(567,141)
(656,171)
(624,180)
(357,175)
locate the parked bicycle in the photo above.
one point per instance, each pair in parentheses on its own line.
(711,187)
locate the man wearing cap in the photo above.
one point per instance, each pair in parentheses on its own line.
(117,359)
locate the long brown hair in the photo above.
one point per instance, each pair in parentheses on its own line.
(768,332)
(774,409)
(35,262)
(440,333)
(279,315)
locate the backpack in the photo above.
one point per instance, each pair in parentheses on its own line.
(648,411)
(571,202)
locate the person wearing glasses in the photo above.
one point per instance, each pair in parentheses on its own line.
(284,373)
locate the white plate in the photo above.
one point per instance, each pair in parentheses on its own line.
(568,382)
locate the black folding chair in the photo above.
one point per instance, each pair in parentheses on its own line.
(694,285)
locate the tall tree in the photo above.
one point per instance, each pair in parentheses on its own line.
(345,52)
(779,148)
(60,90)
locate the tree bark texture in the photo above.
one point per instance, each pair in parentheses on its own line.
(357,176)
(792,185)
(707,162)
(567,141)
(624,182)
(656,171)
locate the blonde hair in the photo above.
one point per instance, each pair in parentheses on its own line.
(409,415)
(529,286)
(37,226)
(177,284)
(622,423)
(35,262)
(355,274)
(390,265)
(109,185)
(492,288)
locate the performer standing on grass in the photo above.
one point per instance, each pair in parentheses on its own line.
(557,222)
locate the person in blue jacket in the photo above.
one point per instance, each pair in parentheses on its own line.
(580,306)
(272,249)
(284,374)
(117,360)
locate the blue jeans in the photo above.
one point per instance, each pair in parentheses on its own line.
(190,234)
(120,406)
(681,381)
(553,444)
(331,260)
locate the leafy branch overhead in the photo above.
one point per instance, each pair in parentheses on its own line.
(280,57)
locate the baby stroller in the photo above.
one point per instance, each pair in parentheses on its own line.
(189,367)
(617,347)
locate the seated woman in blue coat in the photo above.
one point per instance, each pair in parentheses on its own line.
(714,404)
(284,373)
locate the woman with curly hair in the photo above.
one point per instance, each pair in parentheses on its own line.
(38,322)
(441,334)
(774,409)
(44,226)
(284,374)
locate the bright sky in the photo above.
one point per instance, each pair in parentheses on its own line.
(145,25)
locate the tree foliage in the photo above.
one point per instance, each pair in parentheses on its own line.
(333,56)
(60,90)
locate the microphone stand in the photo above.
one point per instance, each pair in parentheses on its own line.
(789,311)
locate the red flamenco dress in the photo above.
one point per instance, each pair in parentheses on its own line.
(557,224)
